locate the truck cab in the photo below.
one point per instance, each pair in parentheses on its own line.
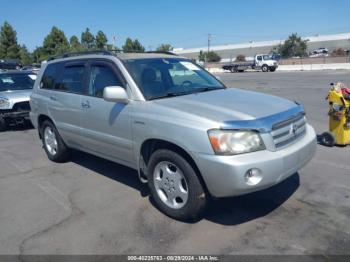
(265,63)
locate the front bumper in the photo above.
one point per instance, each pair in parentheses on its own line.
(224,175)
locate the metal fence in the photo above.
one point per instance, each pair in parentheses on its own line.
(315,60)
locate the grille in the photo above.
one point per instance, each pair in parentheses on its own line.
(288,131)
(21,106)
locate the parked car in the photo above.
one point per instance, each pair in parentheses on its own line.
(187,134)
(10,64)
(33,68)
(321,50)
(261,62)
(15,90)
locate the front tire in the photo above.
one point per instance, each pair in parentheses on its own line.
(328,139)
(175,186)
(55,148)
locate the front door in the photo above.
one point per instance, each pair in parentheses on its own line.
(106,126)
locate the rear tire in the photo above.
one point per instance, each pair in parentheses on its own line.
(272,69)
(55,148)
(233,70)
(328,139)
(3,124)
(175,186)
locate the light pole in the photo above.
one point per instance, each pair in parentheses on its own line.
(114,42)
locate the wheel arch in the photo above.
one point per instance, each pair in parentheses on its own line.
(41,119)
(149,146)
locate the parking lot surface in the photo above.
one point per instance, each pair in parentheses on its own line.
(93,206)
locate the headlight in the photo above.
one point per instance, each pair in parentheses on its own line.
(4,103)
(231,142)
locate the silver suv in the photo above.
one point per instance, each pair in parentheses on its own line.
(188,136)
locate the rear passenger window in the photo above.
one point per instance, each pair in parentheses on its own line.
(71,79)
(48,79)
(102,76)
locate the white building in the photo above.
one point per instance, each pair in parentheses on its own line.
(230,51)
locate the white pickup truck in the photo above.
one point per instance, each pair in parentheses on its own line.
(261,62)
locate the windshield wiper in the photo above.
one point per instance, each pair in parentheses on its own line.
(205,89)
(196,90)
(169,94)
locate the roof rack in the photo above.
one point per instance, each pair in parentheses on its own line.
(96,52)
(162,52)
(106,52)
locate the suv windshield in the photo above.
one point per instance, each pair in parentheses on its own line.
(165,77)
(12,82)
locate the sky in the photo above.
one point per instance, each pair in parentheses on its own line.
(182,23)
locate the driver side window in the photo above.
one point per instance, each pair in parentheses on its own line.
(259,58)
(102,76)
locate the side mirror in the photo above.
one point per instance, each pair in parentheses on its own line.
(115,94)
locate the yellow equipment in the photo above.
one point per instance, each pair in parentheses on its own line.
(339,117)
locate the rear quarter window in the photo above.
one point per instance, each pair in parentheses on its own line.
(50,76)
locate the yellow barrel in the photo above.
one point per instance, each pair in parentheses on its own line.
(339,117)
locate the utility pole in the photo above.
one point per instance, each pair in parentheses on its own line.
(209,40)
(206,56)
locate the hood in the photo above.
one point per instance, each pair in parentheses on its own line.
(229,104)
(22,95)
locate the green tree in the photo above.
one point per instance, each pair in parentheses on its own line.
(25,56)
(201,56)
(39,55)
(9,47)
(208,57)
(293,46)
(101,40)
(87,39)
(75,45)
(213,57)
(133,46)
(165,47)
(55,43)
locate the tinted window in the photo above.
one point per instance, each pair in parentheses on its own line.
(15,82)
(51,72)
(102,76)
(259,58)
(71,79)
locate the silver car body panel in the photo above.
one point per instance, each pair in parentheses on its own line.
(16,97)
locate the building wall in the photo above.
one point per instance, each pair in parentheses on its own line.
(228,52)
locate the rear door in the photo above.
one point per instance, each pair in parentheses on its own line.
(65,101)
(106,127)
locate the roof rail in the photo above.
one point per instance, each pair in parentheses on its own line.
(105,52)
(95,52)
(162,52)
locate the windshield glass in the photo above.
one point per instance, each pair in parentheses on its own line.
(160,77)
(11,82)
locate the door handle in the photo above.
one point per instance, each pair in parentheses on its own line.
(85,104)
(53,98)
